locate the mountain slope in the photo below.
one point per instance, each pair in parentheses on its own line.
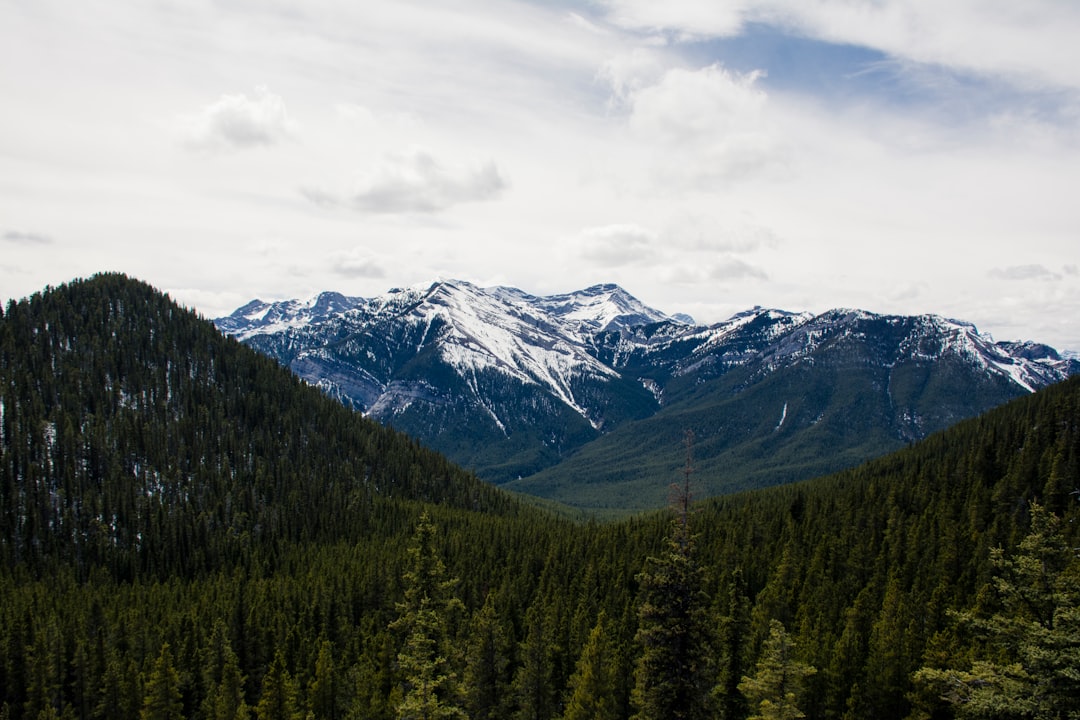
(131,428)
(585,396)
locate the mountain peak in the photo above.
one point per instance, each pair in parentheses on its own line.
(606,306)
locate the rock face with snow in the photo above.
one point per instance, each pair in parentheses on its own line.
(588,387)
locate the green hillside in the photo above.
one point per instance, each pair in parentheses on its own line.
(799,422)
(187,531)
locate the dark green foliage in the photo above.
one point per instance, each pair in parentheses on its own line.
(593,690)
(163,486)
(278,696)
(163,699)
(427,658)
(773,691)
(835,416)
(487,663)
(674,677)
(1028,658)
(137,438)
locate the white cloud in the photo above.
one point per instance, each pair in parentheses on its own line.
(688,20)
(702,234)
(357,263)
(616,245)
(1031,43)
(237,122)
(708,125)
(415,182)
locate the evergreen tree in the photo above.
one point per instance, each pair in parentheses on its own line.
(674,675)
(487,659)
(534,687)
(225,699)
(431,688)
(222,679)
(773,691)
(277,700)
(1030,664)
(592,686)
(323,696)
(162,699)
(732,640)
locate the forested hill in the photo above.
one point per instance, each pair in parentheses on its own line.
(187,531)
(137,437)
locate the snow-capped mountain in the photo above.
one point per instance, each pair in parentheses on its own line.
(512,384)
(260,318)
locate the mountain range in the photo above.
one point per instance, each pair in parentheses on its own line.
(185,524)
(585,397)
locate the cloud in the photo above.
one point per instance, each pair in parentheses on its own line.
(1024,272)
(710,124)
(701,234)
(357,264)
(616,245)
(686,20)
(736,269)
(27,238)
(236,122)
(1032,42)
(415,182)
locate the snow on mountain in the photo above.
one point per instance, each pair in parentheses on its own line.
(601,307)
(601,330)
(496,330)
(369,352)
(262,318)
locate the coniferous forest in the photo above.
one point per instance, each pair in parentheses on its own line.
(188,531)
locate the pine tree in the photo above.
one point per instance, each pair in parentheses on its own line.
(533,687)
(163,699)
(323,700)
(486,664)
(592,686)
(773,691)
(226,699)
(1031,644)
(277,700)
(222,679)
(733,636)
(674,675)
(431,688)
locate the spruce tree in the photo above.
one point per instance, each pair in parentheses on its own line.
(592,686)
(674,676)
(225,697)
(733,636)
(487,658)
(162,699)
(277,701)
(773,691)
(1029,665)
(431,688)
(323,699)
(533,686)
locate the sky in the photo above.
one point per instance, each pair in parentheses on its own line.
(900,157)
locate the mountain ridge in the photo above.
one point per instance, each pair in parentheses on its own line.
(515,385)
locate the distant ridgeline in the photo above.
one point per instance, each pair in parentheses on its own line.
(583,397)
(186,530)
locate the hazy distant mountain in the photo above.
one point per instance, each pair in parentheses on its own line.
(585,396)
